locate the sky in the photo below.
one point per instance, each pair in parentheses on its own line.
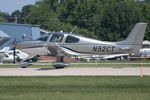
(10,6)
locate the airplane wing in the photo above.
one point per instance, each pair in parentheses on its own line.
(69,52)
(57,50)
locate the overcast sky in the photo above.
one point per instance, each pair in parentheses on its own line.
(10,6)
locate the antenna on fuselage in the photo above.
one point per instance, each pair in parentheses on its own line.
(73,29)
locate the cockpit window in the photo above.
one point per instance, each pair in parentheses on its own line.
(57,38)
(71,39)
(43,38)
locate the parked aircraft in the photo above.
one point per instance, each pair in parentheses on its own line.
(3,37)
(7,55)
(145,52)
(114,56)
(18,53)
(104,57)
(62,45)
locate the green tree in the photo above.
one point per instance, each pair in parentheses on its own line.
(118,19)
(2,17)
(145,9)
(110,20)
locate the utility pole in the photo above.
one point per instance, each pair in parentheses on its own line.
(16,19)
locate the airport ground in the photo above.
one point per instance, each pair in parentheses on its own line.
(75,88)
(103,87)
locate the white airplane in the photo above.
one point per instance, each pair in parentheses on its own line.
(7,55)
(18,53)
(145,52)
(112,56)
(103,57)
(62,45)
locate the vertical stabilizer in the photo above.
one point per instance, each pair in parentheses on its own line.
(136,35)
(135,38)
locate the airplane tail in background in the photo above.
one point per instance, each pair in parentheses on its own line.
(135,38)
(5,49)
(3,37)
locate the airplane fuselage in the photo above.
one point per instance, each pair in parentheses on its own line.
(90,46)
(79,44)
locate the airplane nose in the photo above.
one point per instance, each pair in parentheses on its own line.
(19,45)
(16,44)
(23,44)
(27,44)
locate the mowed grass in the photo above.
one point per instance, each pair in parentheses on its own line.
(75,88)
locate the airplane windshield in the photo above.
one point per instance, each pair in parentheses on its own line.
(57,38)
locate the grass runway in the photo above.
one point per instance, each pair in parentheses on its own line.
(75,88)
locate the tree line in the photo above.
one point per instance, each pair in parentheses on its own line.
(109,20)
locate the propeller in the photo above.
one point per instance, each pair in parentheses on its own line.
(14,50)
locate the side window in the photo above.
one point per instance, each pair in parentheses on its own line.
(71,39)
(56,38)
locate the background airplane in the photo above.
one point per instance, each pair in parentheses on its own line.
(7,55)
(3,37)
(67,44)
(145,52)
(97,58)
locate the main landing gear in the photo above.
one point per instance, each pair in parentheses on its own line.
(60,63)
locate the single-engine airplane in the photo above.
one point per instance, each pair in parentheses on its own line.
(62,44)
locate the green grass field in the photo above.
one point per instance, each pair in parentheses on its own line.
(75,88)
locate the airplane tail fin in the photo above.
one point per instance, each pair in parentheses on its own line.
(136,36)
(3,37)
